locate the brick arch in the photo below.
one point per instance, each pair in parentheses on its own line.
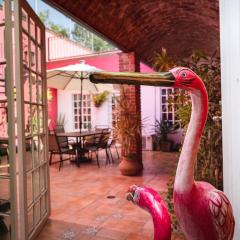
(145,26)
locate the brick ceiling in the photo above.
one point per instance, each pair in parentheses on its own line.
(145,26)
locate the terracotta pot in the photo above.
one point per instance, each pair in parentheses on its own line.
(166,146)
(130,167)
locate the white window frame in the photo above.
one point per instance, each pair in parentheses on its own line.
(86,115)
(167,111)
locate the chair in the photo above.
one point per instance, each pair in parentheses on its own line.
(101,128)
(112,142)
(104,144)
(92,145)
(61,146)
(96,142)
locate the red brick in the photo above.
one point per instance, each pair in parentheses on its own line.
(146,26)
(128,62)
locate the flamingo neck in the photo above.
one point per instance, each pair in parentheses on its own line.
(185,170)
(157,220)
(158,216)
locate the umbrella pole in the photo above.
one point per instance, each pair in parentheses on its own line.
(81,96)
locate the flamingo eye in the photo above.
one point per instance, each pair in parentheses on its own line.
(184,74)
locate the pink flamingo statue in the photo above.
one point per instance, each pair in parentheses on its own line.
(203,212)
(149,200)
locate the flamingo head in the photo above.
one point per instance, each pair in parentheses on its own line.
(178,77)
(185,78)
(142,196)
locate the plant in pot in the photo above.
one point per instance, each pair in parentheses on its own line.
(162,129)
(100,98)
(128,131)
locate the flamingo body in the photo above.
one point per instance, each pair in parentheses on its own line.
(203,212)
(149,199)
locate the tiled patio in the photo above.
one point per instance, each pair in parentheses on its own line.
(81,209)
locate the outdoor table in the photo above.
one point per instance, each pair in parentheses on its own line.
(3,140)
(79,136)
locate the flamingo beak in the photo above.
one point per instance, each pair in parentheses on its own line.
(131,192)
(165,79)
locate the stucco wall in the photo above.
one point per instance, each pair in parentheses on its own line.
(100,116)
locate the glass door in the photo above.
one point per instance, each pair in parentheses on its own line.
(31,91)
(24,173)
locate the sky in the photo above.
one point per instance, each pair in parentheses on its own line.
(40,6)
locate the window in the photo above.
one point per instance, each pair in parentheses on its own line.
(167,109)
(86,111)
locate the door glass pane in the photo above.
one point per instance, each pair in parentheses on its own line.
(25,50)
(37,213)
(34,119)
(38,35)
(39,60)
(33,56)
(24,20)
(28,119)
(34,87)
(29,189)
(40,91)
(40,118)
(30,221)
(36,184)
(32,28)
(28,155)
(42,178)
(41,149)
(35,151)
(43,205)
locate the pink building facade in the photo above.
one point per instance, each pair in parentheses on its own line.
(62,52)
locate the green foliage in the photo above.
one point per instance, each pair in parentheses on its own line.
(162,62)
(90,40)
(59,29)
(162,129)
(100,98)
(79,34)
(62,31)
(169,202)
(44,16)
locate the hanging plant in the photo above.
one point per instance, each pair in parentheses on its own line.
(100,98)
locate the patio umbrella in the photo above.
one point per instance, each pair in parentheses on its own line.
(73,77)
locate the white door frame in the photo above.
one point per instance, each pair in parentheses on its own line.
(230,77)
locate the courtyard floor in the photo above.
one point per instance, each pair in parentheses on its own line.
(82,210)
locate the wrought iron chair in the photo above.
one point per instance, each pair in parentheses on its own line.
(96,142)
(112,143)
(61,146)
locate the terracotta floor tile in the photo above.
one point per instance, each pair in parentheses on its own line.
(81,209)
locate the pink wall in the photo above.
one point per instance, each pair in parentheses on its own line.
(107,62)
(145,69)
(52,107)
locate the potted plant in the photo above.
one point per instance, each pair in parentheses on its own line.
(100,98)
(162,130)
(128,131)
